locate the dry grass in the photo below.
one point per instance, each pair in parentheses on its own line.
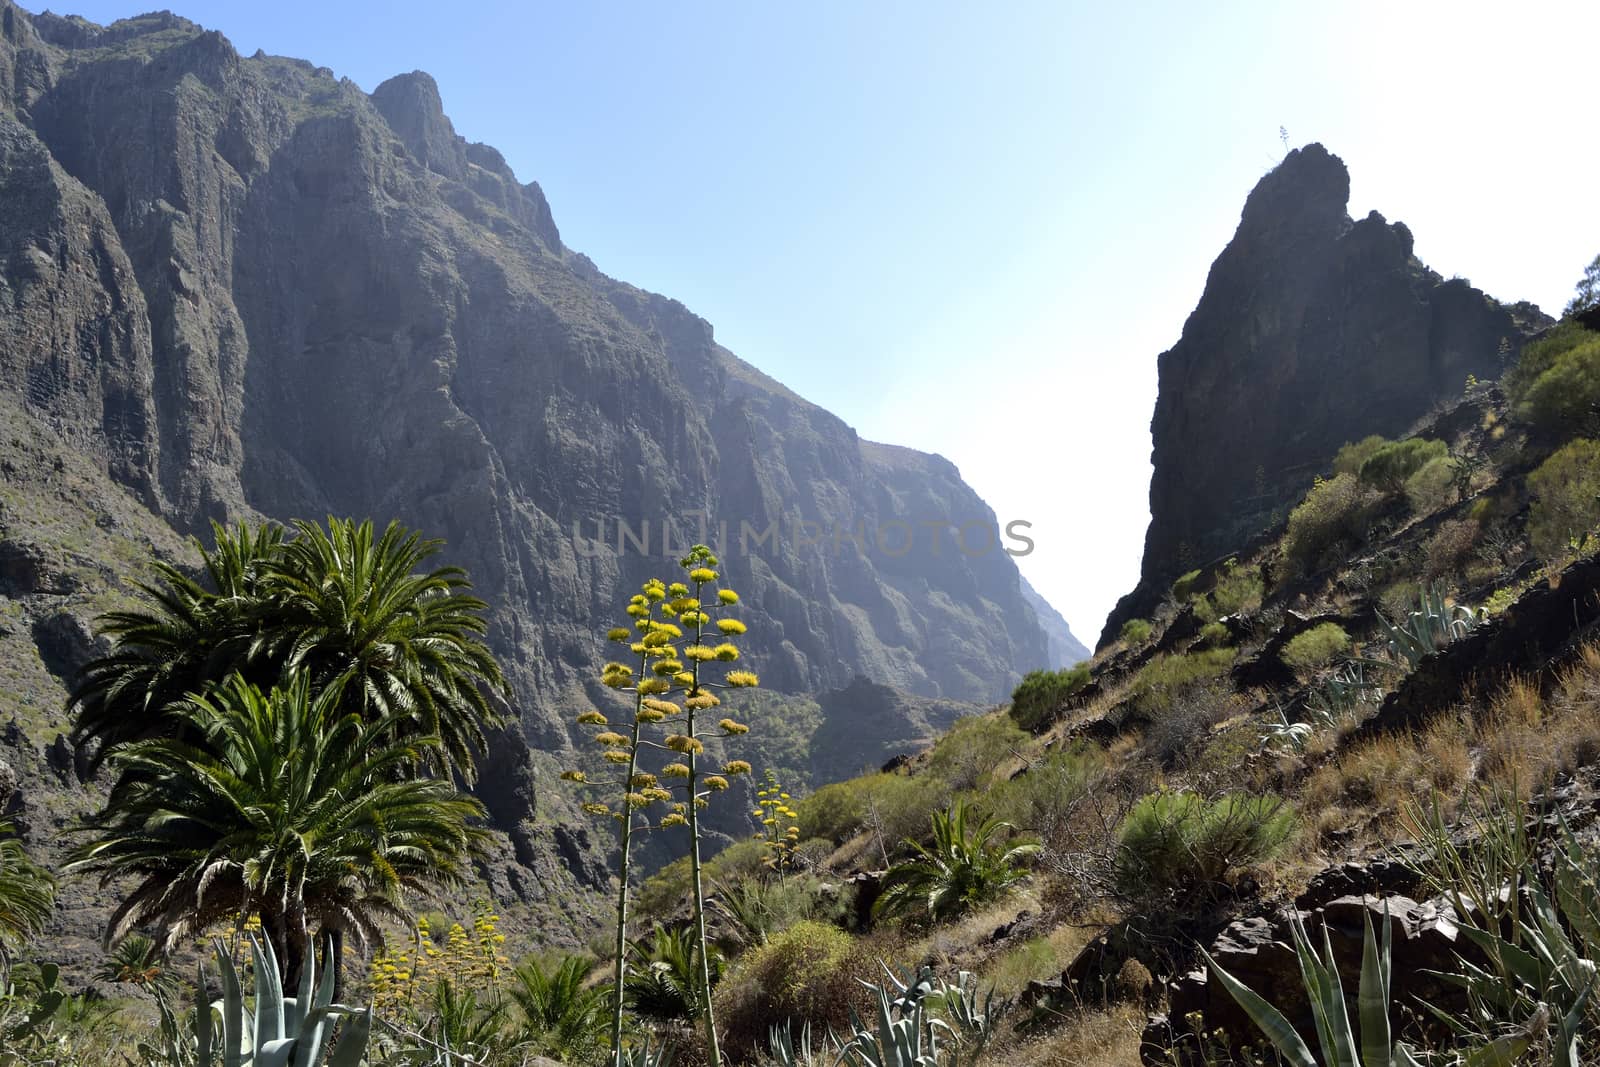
(1108,1038)
(1522,739)
(1038,959)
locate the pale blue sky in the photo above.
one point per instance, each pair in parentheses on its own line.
(971,228)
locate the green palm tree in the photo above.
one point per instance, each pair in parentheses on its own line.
(403,643)
(286,807)
(27,896)
(964,867)
(192,636)
(562,1016)
(347,609)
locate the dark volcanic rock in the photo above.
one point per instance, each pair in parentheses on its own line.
(1313,330)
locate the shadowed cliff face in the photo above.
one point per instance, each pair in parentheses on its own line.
(1313,330)
(246,287)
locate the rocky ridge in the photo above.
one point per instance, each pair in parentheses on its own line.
(1314,329)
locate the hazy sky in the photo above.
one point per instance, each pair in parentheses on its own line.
(971,228)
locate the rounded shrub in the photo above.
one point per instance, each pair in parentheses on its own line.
(1135,632)
(1432,486)
(1334,514)
(1316,647)
(1566,499)
(1350,458)
(1390,467)
(1182,843)
(1557,380)
(1040,694)
(809,972)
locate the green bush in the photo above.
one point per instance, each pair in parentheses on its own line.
(1036,698)
(810,972)
(1390,467)
(1183,588)
(1351,457)
(1543,354)
(1135,632)
(1039,800)
(1237,589)
(1562,399)
(1158,682)
(1335,514)
(1183,844)
(1317,646)
(891,805)
(972,748)
(664,891)
(1214,634)
(1566,499)
(1433,485)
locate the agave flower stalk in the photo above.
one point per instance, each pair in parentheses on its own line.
(688,604)
(639,790)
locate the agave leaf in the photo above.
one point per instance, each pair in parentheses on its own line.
(269,994)
(353,1042)
(1372,997)
(1270,1020)
(232,1010)
(1503,1052)
(202,1018)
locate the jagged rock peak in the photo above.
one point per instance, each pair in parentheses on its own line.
(1313,330)
(411,104)
(1307,193)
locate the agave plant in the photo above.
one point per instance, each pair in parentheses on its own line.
(922,1022)
(279,1031)
(1541,961)
(1336,1034)
(1342,694)
(1282,736)
(1432,626)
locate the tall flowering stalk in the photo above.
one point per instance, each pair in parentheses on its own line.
(699,606)
(649,640)
(778,834)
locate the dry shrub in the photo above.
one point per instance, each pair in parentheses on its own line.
(1450,549)
(1084,1038)
(1379,776)
(1529,742)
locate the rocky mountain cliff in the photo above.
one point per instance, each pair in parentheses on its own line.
(242,287)
(1313,330)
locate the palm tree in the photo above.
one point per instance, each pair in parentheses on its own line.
(404,644)
(286,807)
(27,896)
(964,867)
(192,637)
(350,611)
(562,1016)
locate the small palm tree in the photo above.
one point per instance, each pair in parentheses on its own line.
(666,980)
(287,808)
(137,960)
(335,604)
(964,867)
(27,896)
(562,1016)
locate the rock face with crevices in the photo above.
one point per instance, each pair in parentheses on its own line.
(1314,329)
(240,287)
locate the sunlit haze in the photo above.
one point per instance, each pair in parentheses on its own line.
(972,228)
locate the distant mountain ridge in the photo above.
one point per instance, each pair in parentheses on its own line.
(240,287)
